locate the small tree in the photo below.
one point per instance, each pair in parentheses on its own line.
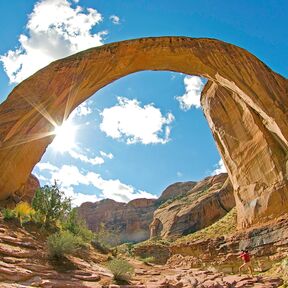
(51,204)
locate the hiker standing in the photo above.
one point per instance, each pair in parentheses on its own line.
(245,256)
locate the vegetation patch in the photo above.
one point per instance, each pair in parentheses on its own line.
(121,269)
(223,227)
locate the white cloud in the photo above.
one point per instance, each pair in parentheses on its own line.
(68,176)
(220,168)
(46,166)
(133,123)
(193,88)
(115,19)
(82,110)
(54,30)
(79,198)
(94,161)
(107,155)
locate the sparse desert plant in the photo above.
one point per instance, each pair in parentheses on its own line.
(148,260)
(52,204)
(77,226)
(62,243)
(121,269)
(24,212)
(8,214)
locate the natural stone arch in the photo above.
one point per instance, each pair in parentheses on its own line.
(246,83)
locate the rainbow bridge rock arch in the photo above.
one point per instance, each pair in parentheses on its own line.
(244,101)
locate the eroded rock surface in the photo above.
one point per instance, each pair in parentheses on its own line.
(129,221)
(184,207)
(24,262)
(207,201)
(267,244)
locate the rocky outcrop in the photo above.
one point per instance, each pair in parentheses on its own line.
(260,189)
(25,193)
(176,190)
(267,244)
(129,221)
(208,201)
(249,122)
(24,262)
(185,207)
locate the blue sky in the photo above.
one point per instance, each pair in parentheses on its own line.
(145,131)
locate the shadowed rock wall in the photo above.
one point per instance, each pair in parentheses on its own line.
(34,107)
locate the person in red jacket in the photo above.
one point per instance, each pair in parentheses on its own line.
(245,256)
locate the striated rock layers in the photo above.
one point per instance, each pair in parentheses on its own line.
(245,103)
(130,221)
(267,244)
(191,206)
(202,205)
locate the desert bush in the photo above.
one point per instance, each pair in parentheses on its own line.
(148,260)
(51,204)
(77,226)
(24,212)
(62,243)
(8,214)
(121,269)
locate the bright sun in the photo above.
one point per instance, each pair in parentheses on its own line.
(65,137)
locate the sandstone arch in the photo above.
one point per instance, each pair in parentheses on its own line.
(252,134)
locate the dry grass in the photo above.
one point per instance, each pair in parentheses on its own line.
(223,227)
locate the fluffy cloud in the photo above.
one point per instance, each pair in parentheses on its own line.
(55,29)
(129,121)
(115,19)
(220,168)
(69,176)
(193,88)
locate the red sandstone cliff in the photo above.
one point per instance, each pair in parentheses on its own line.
(181,209)
(205,203)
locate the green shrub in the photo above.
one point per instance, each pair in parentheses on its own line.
(121,270)
(51,204)
(8,214)
(63,243)
(77,226)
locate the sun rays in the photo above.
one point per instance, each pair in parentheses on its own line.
(64,137)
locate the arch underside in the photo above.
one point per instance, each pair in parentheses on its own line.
(244,101)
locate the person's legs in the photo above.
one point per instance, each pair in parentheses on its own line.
(249,265)
(241,267)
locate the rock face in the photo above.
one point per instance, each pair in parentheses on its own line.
(252,136)
(184,207)
(207,201)
(267,244)
(176,190)
(24,262)
(25,193)
(130,221)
